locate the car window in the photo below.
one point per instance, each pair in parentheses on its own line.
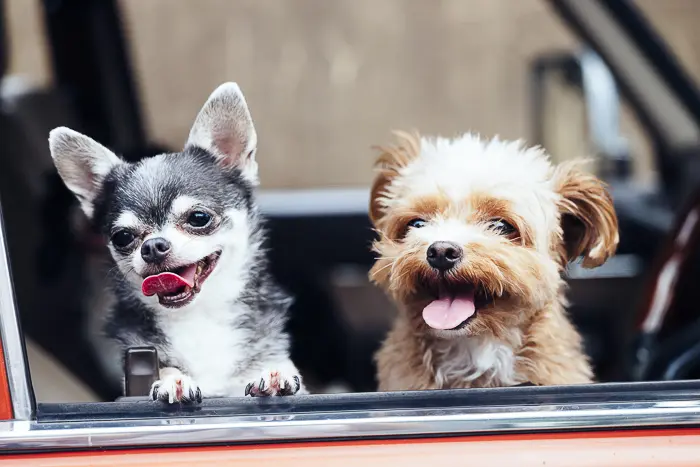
(326,83)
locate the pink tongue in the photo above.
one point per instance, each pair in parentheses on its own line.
(168,282)
(449,312)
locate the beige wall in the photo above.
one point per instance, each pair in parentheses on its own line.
(326,79)
(25,32)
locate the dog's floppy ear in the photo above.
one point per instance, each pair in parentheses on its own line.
(378,191)
(389,162)
(82,163)
(588,218)
(225,128)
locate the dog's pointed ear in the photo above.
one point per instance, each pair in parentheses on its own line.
(225,128)
(82,163)
(588,218)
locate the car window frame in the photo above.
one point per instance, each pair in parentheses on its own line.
(595,407)
(13,346)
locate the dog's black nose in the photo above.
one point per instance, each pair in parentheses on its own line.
(444,255)
(155,250)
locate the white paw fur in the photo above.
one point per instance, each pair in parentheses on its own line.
(175,387)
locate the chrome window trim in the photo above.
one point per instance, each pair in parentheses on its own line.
(12,340)
(343,425)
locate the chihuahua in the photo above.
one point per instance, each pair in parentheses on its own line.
(189,274)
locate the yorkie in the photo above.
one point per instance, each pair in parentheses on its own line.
(474,236)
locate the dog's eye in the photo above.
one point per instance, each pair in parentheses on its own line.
(122,239)
(416,223)
(502,227)
(198,219)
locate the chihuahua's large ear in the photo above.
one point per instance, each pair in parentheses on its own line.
(82,163)
(588,217)
(225,128)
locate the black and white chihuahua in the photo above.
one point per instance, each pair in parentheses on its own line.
(186,236)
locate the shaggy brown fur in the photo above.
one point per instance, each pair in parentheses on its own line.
(523,332)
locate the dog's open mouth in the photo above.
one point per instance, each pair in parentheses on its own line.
(454,306)
(177,287)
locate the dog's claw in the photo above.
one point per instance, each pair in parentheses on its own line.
(273,383)
(154,392)
(286,389)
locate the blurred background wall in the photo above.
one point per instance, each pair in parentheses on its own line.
(326,79)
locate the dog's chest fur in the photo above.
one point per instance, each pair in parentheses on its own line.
(208,345)
(475,361)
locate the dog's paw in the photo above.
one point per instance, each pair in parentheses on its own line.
(274,383)
(176,388)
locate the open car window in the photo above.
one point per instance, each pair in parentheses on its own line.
(595,80)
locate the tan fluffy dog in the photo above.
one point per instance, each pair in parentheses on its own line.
(473,239)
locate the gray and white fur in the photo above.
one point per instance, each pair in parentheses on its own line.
(227,338)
